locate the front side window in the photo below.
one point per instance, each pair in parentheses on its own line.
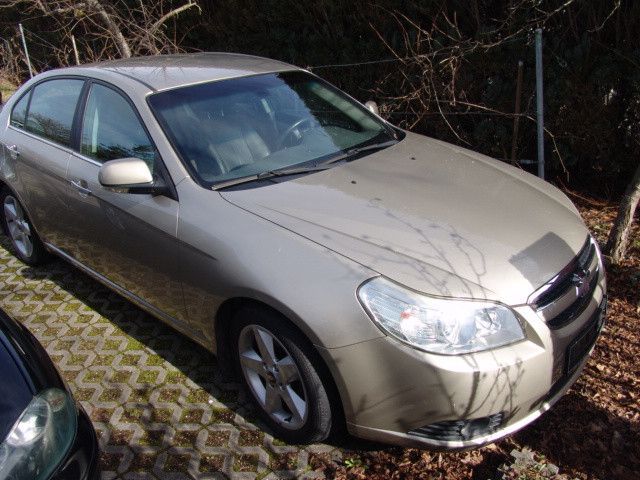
(53,105)
(111,129)
(19,112)
(235,128)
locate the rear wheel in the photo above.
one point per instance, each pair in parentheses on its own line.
(276,364)
(16,224)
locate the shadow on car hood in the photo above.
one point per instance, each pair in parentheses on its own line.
(437,218)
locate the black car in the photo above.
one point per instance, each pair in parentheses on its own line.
(44,433)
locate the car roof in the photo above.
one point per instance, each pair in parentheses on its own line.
(162,72)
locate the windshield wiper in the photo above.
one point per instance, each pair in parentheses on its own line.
(281,172)
(347,155)
(352,153)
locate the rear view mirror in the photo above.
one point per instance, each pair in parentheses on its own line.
(128,175)
(372,107)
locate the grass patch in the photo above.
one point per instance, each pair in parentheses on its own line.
(7,88)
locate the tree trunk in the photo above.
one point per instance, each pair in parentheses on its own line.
(112,27)
(616,247)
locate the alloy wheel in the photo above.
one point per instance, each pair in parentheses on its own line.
(273,377)
(18,226)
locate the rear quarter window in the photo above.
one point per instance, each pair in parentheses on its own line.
(52,108)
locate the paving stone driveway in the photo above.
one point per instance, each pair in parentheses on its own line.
(156,399)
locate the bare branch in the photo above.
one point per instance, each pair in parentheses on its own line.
(112,27)
(176,11)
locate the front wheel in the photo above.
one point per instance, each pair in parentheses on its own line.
(16,224)
(276,364)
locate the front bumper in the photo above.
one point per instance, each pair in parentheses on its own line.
(396,394)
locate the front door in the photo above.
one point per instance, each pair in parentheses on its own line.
(128,238)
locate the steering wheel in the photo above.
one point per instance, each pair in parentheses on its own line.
(292,128)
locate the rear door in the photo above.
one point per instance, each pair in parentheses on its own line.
(38,140)
(128,238)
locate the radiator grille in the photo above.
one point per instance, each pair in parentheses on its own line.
(569,293)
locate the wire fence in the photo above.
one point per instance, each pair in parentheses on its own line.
(438,111)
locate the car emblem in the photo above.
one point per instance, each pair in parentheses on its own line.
(579,280)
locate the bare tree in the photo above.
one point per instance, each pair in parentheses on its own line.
(10,64)
(112,26)
(618,242)
(114,29)
(436,57)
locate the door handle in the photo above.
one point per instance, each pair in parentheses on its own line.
(80,185)
(13,151)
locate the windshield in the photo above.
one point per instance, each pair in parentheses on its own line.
(246,126)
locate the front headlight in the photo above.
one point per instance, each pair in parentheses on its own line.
(41,437)
(438,325)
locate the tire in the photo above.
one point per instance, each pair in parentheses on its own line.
(288,393)
(27,246)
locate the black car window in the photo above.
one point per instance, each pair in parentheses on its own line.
(111,129)
(19,112)
(53,104)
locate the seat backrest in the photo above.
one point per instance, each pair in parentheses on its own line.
(251,113)
(232,144)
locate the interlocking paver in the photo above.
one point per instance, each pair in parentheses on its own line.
(160,405)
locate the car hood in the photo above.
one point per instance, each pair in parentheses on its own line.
(432,216)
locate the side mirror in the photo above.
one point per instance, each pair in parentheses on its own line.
(372,107)
(128,175)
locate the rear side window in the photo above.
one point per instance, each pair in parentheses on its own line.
(111,129)
(53,104)
(19,112)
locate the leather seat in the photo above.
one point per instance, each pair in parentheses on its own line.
(251,113)
(231,145)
